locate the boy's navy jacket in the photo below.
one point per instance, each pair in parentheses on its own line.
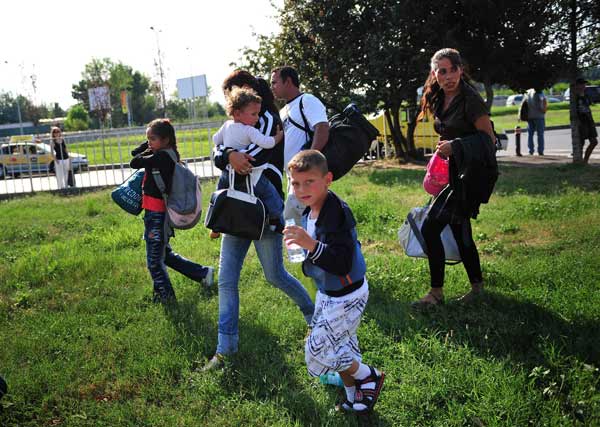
(337,264)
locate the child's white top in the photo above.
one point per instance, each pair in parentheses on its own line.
(239,136)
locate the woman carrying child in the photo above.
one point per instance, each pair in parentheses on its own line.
(244,106)
(152,155)
(269,247)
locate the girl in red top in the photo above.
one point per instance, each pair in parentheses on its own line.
(151,155)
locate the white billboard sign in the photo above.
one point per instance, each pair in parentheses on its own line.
(192,87)
(99,98)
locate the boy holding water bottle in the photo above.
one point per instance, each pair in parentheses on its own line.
(335,262)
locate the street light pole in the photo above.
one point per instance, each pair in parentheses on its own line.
(189,49)
(160,72)
(18,106)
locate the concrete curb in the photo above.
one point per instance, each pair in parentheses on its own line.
(559,127)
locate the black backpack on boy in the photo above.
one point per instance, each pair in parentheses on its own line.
(350,137)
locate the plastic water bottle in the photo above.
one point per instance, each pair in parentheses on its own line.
(295,252)
(332,378)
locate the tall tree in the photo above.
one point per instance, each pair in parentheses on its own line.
(117,77)
(578,37)
(503,42)
(368,51)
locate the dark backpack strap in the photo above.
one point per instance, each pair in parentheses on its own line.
(416,231)
(306,125)
(158,179)
(160,183)
(306,128)
(171,154)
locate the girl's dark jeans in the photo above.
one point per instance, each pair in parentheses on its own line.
(159,255)
(432,230)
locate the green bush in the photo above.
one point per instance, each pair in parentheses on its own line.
(77,118)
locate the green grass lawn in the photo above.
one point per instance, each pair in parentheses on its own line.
(557,115)
(82,345)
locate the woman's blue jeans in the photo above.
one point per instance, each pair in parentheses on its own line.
(233,252)
(159,256)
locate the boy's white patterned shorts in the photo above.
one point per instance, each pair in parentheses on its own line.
(332,344)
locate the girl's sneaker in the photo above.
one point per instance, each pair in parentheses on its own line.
(209,279)
(367,391)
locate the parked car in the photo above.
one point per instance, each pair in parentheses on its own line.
(514,100)
(35,157)
(499,100)
(592,92)
(553,99)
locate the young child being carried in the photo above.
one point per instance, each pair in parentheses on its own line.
(335,262)
(243,106)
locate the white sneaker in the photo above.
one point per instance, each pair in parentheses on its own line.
(209,279)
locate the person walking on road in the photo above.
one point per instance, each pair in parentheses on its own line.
(304,117)
(587,126)
(537,105)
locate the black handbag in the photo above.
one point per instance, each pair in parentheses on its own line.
(238,213)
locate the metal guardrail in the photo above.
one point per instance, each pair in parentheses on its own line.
(101,158)
(98,159)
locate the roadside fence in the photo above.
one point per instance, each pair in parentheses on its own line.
(97,158)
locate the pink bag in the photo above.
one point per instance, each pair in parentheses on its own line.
(437,176)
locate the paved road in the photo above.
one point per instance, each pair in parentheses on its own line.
(557,143)
(96,178)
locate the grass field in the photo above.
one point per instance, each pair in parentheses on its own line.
(557,115)
(82,345)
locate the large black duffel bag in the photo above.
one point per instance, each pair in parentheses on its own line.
(350,137)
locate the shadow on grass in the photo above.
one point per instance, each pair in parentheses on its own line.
(496,325)
(260,371)
(191,324)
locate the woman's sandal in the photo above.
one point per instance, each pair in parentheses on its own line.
(366,398)
(429,300)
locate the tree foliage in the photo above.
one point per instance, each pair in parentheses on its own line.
(578,38)
(504,42)
(77,118)
(377,52)
(30,112)
(118,77)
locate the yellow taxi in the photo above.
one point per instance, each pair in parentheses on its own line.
(425,136)
(18,158)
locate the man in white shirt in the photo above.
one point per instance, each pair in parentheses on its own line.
(305,122)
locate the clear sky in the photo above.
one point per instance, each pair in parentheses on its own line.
(53,40)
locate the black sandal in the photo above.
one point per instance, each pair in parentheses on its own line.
(345,406)
(368,397)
